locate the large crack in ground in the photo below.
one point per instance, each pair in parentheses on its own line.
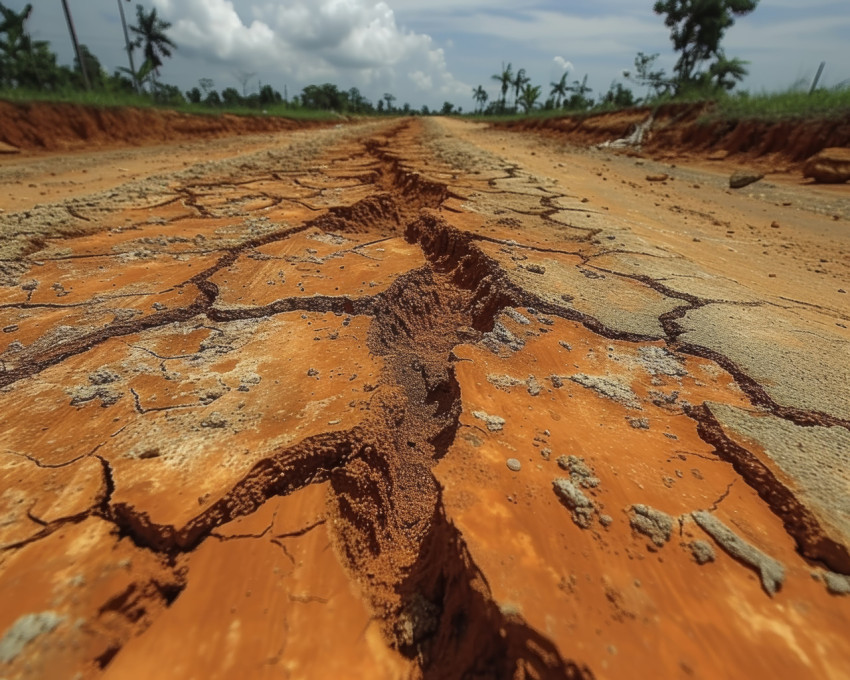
(386,513)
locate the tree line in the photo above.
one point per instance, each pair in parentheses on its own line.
(696,30)
(31,65)
(702,69)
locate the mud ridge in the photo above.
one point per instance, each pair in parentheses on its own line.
(310,461)
(800,523)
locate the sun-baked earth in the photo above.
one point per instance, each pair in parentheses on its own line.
(420,398)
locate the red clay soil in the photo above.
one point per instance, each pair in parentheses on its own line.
(684,128)
(418,400)
(61,127)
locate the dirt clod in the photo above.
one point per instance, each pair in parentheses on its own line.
(652,523)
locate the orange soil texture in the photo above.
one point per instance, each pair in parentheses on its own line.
(44,126)
(376,402)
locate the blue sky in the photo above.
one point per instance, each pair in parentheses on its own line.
(429,51)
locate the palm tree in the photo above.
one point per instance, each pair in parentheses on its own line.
(559,89)
(520,82)
(479,94)
(578,100)
(151,37)
(529,97)
(505,79)
(129,46)
(73,40)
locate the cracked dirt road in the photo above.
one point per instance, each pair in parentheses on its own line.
(416,398)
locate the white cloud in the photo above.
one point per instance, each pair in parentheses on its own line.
(356,41)
(563,64)
(405,46)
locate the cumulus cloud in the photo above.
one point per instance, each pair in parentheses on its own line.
(563,64)
(345,40)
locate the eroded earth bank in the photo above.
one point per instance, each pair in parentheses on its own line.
(417,398)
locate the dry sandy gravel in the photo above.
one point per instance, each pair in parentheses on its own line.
(418,398)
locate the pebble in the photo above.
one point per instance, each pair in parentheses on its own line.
(514,465)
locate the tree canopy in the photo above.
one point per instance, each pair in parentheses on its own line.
(150,36)
(696,29)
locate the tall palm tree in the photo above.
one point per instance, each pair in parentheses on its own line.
(151,38)
(559,89)
(129,46)
(73,40)
(520,82)
(530,95)
(581,89)
(479,94)
(505,78)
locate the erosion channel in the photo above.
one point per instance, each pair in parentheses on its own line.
(381,401)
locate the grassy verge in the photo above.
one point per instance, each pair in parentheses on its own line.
(116,99)
(791,104)
(771,106)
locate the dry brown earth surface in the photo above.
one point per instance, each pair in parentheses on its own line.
(420,398)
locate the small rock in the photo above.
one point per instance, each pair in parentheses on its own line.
(702,551)
(639,423)
(718,155)
(494,423)
(612,388)
(771,571)
(501,337)
(661,177)
(514,315)
(210,396)
(743,178)
(513,465)
(535,268)
(503,382)
(571,496)
(830,166)
(837,584)
(652,523)
(579,471)
(214,421)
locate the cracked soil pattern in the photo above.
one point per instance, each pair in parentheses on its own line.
(417,398)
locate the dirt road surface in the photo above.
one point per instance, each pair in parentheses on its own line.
(420,398)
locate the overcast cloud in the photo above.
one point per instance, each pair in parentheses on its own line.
(429,51)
